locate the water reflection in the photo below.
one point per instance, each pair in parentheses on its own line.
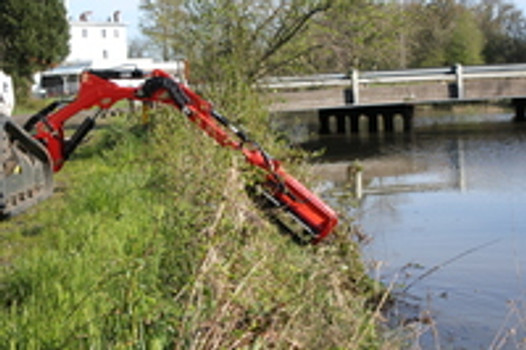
(447,204)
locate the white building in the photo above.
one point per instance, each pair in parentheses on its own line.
(96,45)
(104,44)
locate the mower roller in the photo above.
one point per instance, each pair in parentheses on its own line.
(25,169)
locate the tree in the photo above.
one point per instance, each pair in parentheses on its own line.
(466,42)
(446,33)
(164,24)
(233,37)
(140,48)
(360,34)
(35,35)
(504,28)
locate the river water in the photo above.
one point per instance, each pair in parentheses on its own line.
(444,207)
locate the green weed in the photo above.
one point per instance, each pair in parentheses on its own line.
(153,244)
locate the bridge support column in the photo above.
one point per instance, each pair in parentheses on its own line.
(380,118)
(389,121)
(341,118)
(373,121)
(408,119)
(323,118)
(355,122)
(520,109)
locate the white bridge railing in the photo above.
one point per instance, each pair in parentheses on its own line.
(457,74)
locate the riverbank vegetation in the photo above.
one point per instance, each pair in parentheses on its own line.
(150,242)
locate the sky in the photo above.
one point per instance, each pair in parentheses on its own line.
(102,9)
(521,4)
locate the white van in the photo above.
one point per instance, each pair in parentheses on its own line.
(7,94)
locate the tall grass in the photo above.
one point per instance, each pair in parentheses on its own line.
(152,243)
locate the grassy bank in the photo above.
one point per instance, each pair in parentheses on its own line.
(150,242)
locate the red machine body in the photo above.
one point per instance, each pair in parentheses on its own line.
(98,89)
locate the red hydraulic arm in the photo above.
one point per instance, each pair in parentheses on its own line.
(98,90)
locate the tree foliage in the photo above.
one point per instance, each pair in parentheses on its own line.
(359,34)
(504,29)
(444,33)
(466,41)
(255,38)
(34,37)
(249,38)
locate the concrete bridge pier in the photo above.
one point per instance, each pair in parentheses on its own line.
(378,118)
(374,125)
(354,122)
(520,108)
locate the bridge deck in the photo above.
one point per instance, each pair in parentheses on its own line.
(380,97)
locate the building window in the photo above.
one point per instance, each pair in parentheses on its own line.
(84,33)
(116,33)
(105,54)
(104,33)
